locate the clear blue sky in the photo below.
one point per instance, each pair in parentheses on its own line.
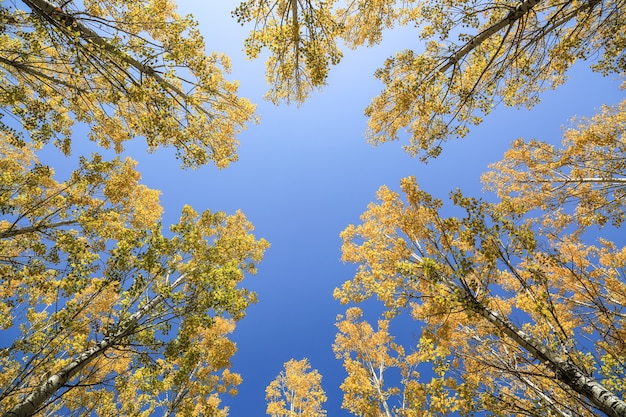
(305,173)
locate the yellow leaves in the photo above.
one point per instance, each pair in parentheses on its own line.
(586,172)
(141,202)
(296,391)
(440,93)
(301,39)
(149,75)
(373,362)
(364,21)
(466,281)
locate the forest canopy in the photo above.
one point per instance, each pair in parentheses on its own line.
(516,299)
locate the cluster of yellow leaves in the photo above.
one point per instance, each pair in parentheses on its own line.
(296,391)
(588,171)
(384,379)
(301,39)
(146,75)
(467,281)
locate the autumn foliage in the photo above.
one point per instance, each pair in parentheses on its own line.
(516,300)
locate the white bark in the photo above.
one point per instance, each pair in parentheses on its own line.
(32,403)
(565,370)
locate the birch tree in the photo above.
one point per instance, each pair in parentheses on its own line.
(524,311)
(514,309)
(104,313)
(124,68)
(296,391)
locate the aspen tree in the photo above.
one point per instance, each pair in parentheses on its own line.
(296,391)
(513,308)
(124,68)
(108,314)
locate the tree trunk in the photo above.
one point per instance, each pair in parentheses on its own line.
(32,403)
(565,370)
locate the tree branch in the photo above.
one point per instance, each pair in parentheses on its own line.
(32,402)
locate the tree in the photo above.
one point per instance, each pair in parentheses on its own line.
(301,38)
(125,69)
(384,380)
(296,391)
(103,312)
(87,295)
(475,55)
(515,303)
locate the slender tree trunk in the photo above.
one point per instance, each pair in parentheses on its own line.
(565,370)
(32,403)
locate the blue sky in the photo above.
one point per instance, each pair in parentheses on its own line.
(305,173)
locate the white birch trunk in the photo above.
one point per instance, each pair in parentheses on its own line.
(565,370)
(32,403)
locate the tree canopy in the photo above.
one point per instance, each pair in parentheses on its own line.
(92,288)
(107,311)
(471,55)
(123,68)
(518,300)
(296,391)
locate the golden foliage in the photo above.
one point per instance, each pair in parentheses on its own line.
(84,263)
(468,281)
(296,391)
(587,172)
(146,74)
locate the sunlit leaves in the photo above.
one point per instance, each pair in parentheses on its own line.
(587,171)
(296,391)
(86,267)
(126,69)
(386,378)
(470,279)
(301,37)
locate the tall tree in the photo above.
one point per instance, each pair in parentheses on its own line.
(385,379)
(296,391)
(107,314)
(515,306)
(125,69)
